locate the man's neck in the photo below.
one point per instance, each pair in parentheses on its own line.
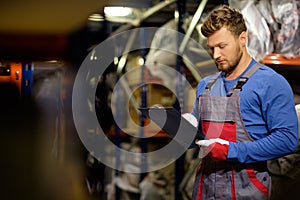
(241,67)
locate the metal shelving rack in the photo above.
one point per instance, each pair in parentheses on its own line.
(180,67)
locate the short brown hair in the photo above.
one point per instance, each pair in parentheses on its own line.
(224,16)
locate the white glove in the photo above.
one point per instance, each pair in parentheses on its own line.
(190,118)
(208,142)
(216,148)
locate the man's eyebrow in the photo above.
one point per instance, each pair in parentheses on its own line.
(218,44)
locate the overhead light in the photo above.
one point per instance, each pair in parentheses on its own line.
(115,11)
(96,17)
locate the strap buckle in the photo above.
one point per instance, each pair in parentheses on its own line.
(241,82)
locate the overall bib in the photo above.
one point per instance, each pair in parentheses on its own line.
(220,117)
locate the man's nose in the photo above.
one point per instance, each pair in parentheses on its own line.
(216,53)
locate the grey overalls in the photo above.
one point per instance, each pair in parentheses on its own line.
(220,117)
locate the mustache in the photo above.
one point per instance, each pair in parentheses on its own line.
(220,60)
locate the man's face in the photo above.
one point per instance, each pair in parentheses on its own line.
(225,50)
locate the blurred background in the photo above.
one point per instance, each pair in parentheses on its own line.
(43,44)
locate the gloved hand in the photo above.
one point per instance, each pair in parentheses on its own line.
(190,118)
(216,148)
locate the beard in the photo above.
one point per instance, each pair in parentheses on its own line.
(232,64)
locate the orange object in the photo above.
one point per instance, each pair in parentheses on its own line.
(279,59)
(16,75)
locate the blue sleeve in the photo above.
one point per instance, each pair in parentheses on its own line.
(281,124)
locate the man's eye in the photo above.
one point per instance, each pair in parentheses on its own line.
(222,46)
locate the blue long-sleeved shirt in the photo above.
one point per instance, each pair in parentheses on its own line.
(268,113)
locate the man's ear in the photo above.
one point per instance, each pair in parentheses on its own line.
(243,38)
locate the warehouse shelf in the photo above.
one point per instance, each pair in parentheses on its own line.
(279,59)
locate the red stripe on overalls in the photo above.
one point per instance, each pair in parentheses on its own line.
(199,193)
(199,197)
(261,187)
(233,185)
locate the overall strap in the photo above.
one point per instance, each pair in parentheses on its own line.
(235,90)
(210,83)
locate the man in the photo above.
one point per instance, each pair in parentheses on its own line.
(246,111)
